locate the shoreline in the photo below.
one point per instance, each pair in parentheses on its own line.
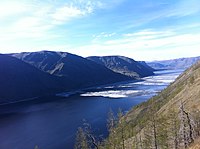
(67,93)
(23,100)
(83,90)
(77,91)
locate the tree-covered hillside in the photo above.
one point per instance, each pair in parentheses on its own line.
(170,120)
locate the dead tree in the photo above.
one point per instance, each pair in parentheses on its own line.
(186,127)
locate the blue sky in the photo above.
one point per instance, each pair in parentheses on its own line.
(140,29)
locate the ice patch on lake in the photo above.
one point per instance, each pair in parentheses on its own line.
(114,93)
(149,86)
(134,89)
(125,86)
(109,87)
(158,80)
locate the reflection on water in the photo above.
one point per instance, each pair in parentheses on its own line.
(53,124)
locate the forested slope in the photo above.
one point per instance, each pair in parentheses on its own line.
(170,120)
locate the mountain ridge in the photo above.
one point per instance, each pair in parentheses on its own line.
(33,74)
(124,65)
(71,66)
(180,63)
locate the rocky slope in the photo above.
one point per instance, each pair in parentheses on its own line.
(124,65)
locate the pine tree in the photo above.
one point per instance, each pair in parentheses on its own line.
(196,119)
(173,129)
(36,147)
(81,140)
(111,123)
(147,141)
(121,129)
(92,140)
(162,132)
(85,138)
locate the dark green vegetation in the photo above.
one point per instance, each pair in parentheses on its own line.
(32,74)
(181,63)
(170,120)
(124,65)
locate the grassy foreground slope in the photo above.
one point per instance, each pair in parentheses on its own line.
(169,120)
(185,89)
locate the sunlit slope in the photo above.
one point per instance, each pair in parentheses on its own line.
(168,120)
(186,89)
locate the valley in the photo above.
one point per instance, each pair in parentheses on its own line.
(41,122)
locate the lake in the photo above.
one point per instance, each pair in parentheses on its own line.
(52,122)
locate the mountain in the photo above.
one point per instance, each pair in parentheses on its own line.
(77,71)
(123,65)
(32,74)
(181,63)
(168,120)
(20,80)
(146,65)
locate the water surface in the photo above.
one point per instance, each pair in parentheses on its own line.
(51,122)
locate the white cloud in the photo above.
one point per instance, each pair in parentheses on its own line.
(30,25)
(10,8)
(150,32)
(102,35)
(177,9)
(68,12)
(184,8)
(38,19)
(147,45)
(75,9)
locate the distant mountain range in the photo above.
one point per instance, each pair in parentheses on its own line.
(32,74)
(124,65)
(181,63)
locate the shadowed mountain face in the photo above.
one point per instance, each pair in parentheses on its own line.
(20,80)
(78,70)
(28,75)
(31,74)
(124,65)
(181,63)
(146,65)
